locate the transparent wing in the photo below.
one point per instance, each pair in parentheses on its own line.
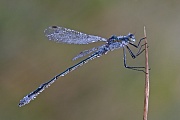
(64,35)
(85,52)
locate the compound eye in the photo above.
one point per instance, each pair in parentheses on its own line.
(131,35)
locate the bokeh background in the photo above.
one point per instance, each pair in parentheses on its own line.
(102,89)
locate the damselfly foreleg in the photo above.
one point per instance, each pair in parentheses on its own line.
(140,50)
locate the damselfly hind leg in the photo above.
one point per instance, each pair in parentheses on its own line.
(133,56)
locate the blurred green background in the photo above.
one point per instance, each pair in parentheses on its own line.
(102,89)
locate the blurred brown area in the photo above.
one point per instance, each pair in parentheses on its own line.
(102,89)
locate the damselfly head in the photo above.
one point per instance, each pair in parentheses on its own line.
(131,37)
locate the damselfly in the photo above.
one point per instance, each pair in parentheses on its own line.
(64,35)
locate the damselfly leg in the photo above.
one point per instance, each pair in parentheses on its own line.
(134,56)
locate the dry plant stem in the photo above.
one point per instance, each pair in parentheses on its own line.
(146,92)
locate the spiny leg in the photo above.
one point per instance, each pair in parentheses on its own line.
(140,50)
(137,54)
(140,41)
(131,67)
